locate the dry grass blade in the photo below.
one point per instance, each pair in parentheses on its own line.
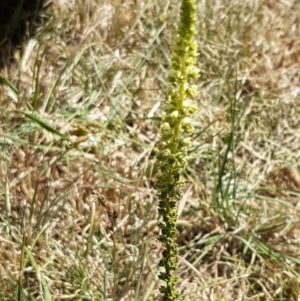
(94,73)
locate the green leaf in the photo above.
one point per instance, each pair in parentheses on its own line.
(7,83)
(45,125)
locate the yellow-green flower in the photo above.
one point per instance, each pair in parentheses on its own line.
(176,129)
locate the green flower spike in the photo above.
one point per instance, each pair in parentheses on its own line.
(176,129)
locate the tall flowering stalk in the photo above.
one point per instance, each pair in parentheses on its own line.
(176,130)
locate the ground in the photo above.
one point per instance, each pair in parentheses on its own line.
(81,101)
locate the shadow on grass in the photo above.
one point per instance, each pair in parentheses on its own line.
(19,20)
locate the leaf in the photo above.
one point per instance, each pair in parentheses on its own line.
(7,83)
(45,125)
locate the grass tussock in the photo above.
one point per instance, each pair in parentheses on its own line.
(80,117)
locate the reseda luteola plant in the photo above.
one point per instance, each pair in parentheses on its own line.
(176,130)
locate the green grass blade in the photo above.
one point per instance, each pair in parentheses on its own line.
(44,125)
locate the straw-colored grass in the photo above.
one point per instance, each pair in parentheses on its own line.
(80,113)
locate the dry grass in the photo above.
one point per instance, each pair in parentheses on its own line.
(80,112)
